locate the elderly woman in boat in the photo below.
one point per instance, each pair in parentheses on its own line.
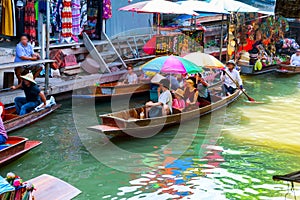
(3,133)
(33,95)
(164,99)
(191,95)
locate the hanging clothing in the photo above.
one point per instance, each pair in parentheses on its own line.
(42,6)
(56,10)
(7,21)
(20,10)
(66,19)
(83,15)
(76,17)
(30,22)
(107,10)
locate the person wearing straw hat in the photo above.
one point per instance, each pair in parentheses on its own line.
(231,78)
(295,59)
(179,102)
(33,95)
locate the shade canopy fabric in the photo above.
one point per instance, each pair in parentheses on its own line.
(204,60)
(203,7)
(172,65)
(233,6)
(158,6)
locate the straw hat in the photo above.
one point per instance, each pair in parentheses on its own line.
(29,77)
(190,81)
(179,92)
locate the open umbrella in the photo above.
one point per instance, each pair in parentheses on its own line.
(172,65)
(204,60)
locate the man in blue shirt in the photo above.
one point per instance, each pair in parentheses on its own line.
(33,95)
(24,52)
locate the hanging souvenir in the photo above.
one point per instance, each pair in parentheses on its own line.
(30,21)
(66,19)
(107,10)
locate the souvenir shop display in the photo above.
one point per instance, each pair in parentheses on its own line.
(68,18)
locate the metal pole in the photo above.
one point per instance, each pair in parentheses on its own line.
(47,67)
(222,35)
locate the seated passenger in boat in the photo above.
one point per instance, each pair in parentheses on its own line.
(231,83)
(33,95)
(202,86)
(3,133)
(130,77)
(3,110)
(191,95)
(295,59)
(179,102)
(164,99)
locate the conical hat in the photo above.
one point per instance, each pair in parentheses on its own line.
(29,77)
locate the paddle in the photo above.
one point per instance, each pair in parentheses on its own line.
(249,98)
(5,89)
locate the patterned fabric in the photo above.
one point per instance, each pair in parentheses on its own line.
(107,11)
(66,19)
(76,17)
(56,9)
(83,14)
(30,22)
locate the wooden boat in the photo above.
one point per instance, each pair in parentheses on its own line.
(13,122)
(288,69)
(47,187)
(15,147)
(128,121)
(249,69)
(108,90)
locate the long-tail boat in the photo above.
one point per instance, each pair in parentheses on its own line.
(288,69)
(14,148)
(249,69)
(12,121)
(129,121)
(106,91)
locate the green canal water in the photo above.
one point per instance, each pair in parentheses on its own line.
(231,154)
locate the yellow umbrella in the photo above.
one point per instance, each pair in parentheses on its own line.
(204,60)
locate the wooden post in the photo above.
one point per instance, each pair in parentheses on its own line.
(222,35)
(47,66)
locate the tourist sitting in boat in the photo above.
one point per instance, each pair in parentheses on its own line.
(24,52)
(295,59)
(231,83)
(179,102)
(191,95)
(33,95)
(164,99)
(202,86)
(3,133)
(130,77)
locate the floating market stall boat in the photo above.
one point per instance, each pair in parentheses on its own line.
(250,70)
(128,121)
(108,90)
(15,147)
(288,69)
(43,187)
(12,121)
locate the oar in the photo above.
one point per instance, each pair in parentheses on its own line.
(5,89)
(249,98)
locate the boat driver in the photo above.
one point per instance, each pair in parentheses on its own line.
(33,95)
(230,83)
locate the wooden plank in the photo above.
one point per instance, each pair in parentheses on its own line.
(72,72)
(81,50)
(21,64)
(50,187)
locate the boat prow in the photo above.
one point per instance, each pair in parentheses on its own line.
(288,69)
(50,187)
(15,147)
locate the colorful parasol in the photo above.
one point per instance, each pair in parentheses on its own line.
(172,65)
(204,60)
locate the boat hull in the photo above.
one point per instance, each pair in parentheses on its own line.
(19,146)
(115,126)
(15,122)
(106,92)
(288,69)
(249,70)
